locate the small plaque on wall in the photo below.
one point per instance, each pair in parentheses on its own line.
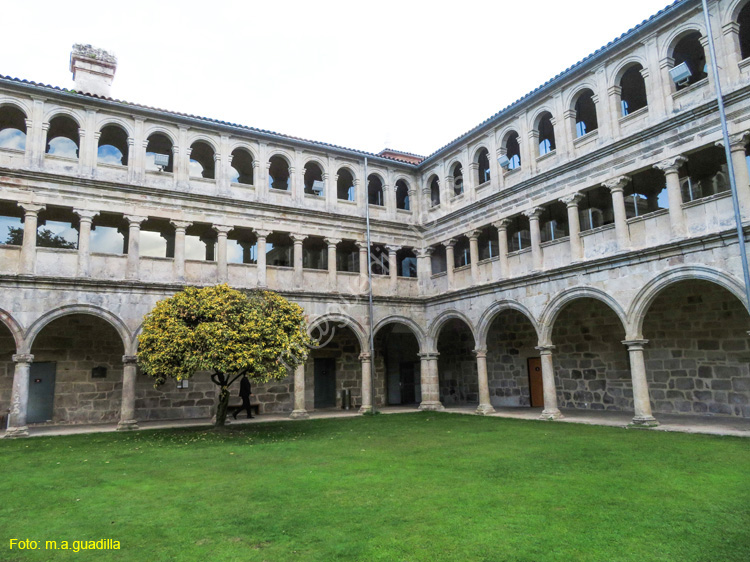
(99,373)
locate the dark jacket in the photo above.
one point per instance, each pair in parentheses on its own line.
(245,387)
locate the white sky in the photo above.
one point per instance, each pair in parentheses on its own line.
(414,75)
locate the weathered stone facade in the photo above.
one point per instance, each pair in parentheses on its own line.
(510,344)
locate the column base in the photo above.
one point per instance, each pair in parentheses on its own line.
(299,415)
(14,432)
(484,409)
(431,407)
(551,414)
(127,425)
(644,421)
(365,409)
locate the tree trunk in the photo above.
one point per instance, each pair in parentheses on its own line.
(221,409)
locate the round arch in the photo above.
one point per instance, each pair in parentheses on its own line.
(115,122)
(157,129)
(15,328)
(17,104)
(538,114)
(625,65)
(201,137)
(283,155)
(317,162)
(502,137)
(379,175)
(558,303)
(349,168)
(477,150)
(242,145)
(63,112)
(404,321)
(341,320)
(576,93)
(732,13)
(678,33)
(492,312)
(437,324)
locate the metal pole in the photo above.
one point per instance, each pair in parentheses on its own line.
(728,152)
(369,291)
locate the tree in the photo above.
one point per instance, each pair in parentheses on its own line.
(45,238)
(259,335)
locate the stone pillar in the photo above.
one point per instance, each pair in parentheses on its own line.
(134,243)
(299,412)
(221,249)
(450,261)
(616,188)
(536,237)
(363,265)
(332,280)
(430,382)
(574,226)
(671,167)
(19,399)
(474,255)
(393,267)
(737,145)
(502,247)
(366,407)
(179,249)
(485,406)
(127,408)
(641,400)
(261,251)
(550,412)
(424,268)
(28,248)
(85,218)
(298,275)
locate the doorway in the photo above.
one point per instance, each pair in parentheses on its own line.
(41,392)
(325,382)
(403,386)
(536,387)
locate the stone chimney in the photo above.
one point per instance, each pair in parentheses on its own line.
(93,70)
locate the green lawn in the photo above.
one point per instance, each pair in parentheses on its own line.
(390,487)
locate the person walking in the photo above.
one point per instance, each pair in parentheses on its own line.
(245,394)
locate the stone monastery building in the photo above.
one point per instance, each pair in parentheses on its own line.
(575,250)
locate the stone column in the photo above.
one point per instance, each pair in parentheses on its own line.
(221,249)
(299,412)
(127,408)
(485,406)
(424,268)
(179,248)
(366,407)
(85,218)
(298,276)
(332,280)
(737,145)
(502,247)
(574,226)
(641,399)
(363,265)
(261,251)
(19,399)
(430,383)
(28,247)
(134,243)
(393,266)
(671,167)
(474,255)
(536,237)
(450,261)
(550,412)
(616,188)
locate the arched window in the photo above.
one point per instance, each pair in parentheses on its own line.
(313,179)
(12,128)
(513,151)
(242,167)
(434,191)
(278,173)
(546,134)
(402,196)
(744,22)
(690,51)
(586,121)
(62,137)
(345,185)
(483,166)
(202,162)
(113,146)
(458,179)
(157,148)
(375,190)
(632,90)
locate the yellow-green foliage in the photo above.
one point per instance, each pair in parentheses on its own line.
(221,330)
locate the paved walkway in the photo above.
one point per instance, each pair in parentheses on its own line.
(686,424)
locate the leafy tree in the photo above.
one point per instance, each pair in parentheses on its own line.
(45,238)
(231,334)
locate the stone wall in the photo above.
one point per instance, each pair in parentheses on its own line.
(168,402)
(511,341)
(697,358)
(457,365)
(7,368)
(344,347)
(591,363)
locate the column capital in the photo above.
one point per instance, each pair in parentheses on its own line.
(480,352)
(424,252)
(361,244)
(298,238)
(430,355)
(392,248)
(364,356)
(23,358)
(635,345)
(332,241)
(130,359)
(473,234)
(262,232)
(32,208)
(85,215)
(671,165)
(501,224)
(616,184)
(135,220)
(222,229)
(534,213)
(180,225)
(450,243)
(545,349)
(572,200)
(737,142)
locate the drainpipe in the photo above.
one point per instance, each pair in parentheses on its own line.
(369,291)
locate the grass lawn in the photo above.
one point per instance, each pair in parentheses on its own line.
(408,487)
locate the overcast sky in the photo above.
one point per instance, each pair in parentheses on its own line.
(412,75)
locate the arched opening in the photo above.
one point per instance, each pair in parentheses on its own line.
(697,351)
(156,238)
(379,260)
(57,227)
(514,370)
(632,90)
(345,185)
(158,147)
(462,251)
(313,179)
(546,131)
(334,366)
(397,365)
(403,201)
(689,50)
(12,128)
(200,242)
(202,161)
(113,146)
(483,166)
(439,260)
(77,372)
(11,223)
(278,173)
(434,191)
(7,367)
(457,366)
(242,167)
(513,151)
(63,139)
(743,19)
(585,109)
(646,192)
(458,179)
(595,208)
(591,364)
(375,195)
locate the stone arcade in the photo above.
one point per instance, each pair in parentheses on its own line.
(575,250)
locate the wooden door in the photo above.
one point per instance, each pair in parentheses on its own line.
(41,392)
(325,382)
(536,387)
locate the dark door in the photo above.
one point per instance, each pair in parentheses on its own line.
(536,388)
(325,383)
(408,394)
(41,392)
